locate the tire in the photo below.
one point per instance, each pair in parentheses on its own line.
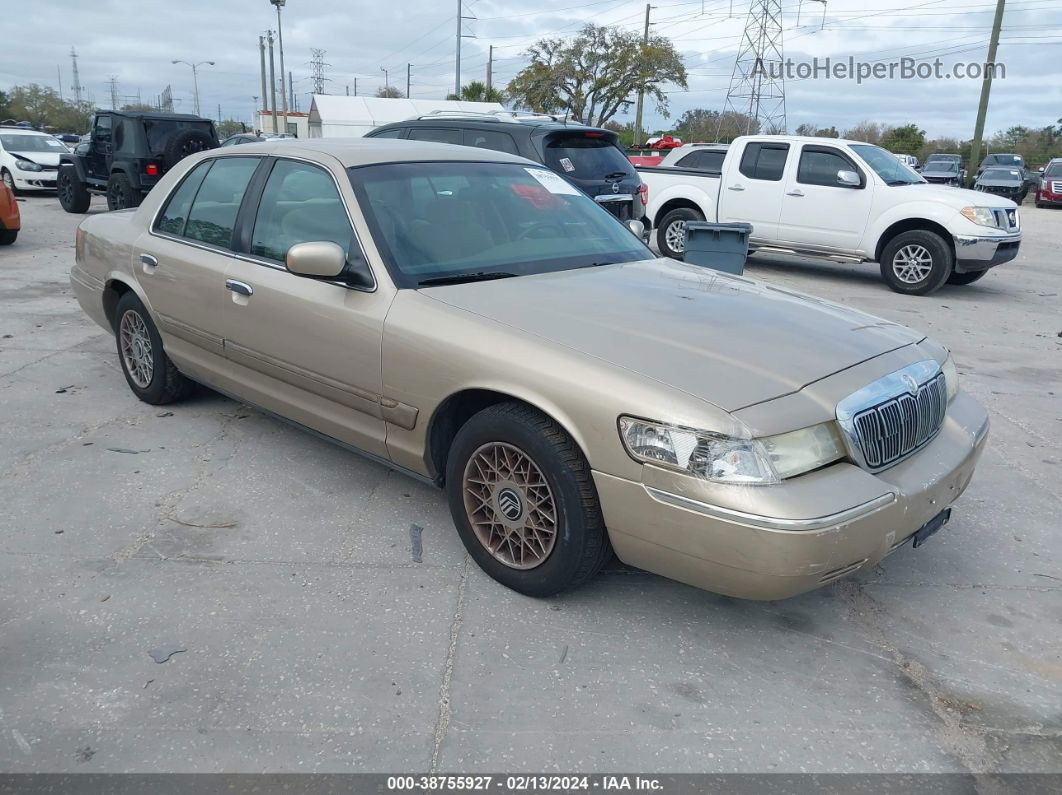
(966,278)
(552,469)
(8,236)
(120,193)
(73,196)
(918,262)
(8,180)
(186,142)
(673,226)
(158,382)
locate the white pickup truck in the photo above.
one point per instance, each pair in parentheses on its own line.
(835,199)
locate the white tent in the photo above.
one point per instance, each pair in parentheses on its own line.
(349,117)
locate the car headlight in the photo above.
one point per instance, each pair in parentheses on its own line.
(982,216)
(951,377)
(725,459)
(27,165)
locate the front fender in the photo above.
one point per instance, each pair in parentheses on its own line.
(935,212)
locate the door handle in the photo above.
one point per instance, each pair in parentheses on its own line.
(149,263)
(737,187)
(239,287)
(797,192)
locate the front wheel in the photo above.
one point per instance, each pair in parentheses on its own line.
(73,196)
(524,502)
(148,370)
(5,175)
(918,262)
(671,234)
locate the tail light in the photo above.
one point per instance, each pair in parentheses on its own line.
(151,169)
(643,190)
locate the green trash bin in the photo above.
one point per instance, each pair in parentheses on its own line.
(723,247)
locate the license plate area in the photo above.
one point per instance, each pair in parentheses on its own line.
(930,527)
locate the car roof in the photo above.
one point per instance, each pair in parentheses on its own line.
(502,123)
(155,116)
(353,152)
(24,131)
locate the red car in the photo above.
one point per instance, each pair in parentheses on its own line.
(1049,191)
(10,221)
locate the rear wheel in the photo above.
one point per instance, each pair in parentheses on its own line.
(120,193)
(148,370)
(8,236)
(73,196)
(523,500)
(966,278)
(671,236)
(918,262)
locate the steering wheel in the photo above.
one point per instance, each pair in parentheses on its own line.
(540,225)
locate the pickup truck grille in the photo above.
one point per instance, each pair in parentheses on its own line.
(884,425)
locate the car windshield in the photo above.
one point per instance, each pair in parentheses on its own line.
(886,166)
(1004,160)
(1001,174)
(31,143)
(451,221)
(1053,170)
(942,165)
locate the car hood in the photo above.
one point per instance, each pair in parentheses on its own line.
(953,197)
(928,172)
(732,341)
(40,158)
(1001,183)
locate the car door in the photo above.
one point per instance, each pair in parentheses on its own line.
(183,258)
(98,161)
(306,348)
(818,209)
(752,192)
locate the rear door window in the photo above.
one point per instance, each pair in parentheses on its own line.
(490,139)
(442,135)
(764,161)
(213,215)
(586,157)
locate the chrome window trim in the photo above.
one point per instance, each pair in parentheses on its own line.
(256,260)
(770,522)
(883,389)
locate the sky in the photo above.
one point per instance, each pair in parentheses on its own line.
(135,43)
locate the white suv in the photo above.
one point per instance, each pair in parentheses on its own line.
(29,160)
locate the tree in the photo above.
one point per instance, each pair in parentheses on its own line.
(867,131)
(140,107)
(597,75)
(389,92)
(4,113)
(904,140)
(42,107)
(478,92)
(704,126)
(230,127)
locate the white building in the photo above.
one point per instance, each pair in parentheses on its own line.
(298,123)
(333,116)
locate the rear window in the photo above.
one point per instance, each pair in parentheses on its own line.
(159,130)
(703,161)
(583,158)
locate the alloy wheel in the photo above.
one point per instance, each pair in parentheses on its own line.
(912,264)
(675,236)
(135,345)
(509,505)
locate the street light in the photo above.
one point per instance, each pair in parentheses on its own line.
(195,79)
(283,75)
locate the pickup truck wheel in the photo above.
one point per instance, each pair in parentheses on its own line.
(148,370)
(523,500)
(918,262)
(671,236)
(73,196)
(120,193)
(966,278)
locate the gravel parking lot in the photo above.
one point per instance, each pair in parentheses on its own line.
(318,630)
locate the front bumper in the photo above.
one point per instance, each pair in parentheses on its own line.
(756,556)
(1046,197)
(34,180)
(981,252)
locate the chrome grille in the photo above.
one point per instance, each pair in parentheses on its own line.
(891,418)
(1056,187)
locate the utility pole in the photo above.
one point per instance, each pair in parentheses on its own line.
(261,58)
(272,83)
(641,89)
(355,86)
(457,56)
(986,89)
(195,78)
(291,103)
(387,79)
(409,72)
(490,67)
(59,74)
(114,93)
(280,43)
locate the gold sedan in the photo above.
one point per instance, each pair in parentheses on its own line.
(473,320)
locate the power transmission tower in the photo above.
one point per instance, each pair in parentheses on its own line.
(317,67)
(77,81)
(757,84)
(114,93)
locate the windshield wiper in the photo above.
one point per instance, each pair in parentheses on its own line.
(459,278)
(894,182)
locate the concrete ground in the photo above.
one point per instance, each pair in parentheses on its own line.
(312,640)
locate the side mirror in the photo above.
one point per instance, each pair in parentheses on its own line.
(849,179)
(321,259)
(637,228)
(1041,169)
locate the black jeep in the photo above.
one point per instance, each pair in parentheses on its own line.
(126,153)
